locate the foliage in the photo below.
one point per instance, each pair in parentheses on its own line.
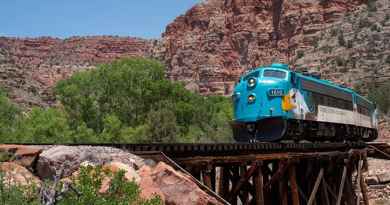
(8,116)
(44,126)
(341,39)
(371,5)
(127,101)
(380,95)
(121,192)
(11,195)
(300,54)
(85,191)
(131,97)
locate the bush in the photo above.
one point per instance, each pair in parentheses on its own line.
(121,192)
(341,39)
(127,101)
(300,54)
(8,116)
(126,98)
(380,95)
(85,190)
(44,126)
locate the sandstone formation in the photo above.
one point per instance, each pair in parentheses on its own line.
(378,181)
(29,68)
(67,159)
(172,186)
(20,154)
(347,41)
(15,174)
(216,41)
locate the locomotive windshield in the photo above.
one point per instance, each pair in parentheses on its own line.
(250,75)
(274,74)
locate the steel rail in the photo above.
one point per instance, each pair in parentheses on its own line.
(199,149)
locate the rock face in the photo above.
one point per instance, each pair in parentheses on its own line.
(29,68)
(216,41)
(172,186)
(68,159)
(21,154)
(347,41)
(15,174)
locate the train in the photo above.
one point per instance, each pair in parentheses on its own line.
(274,103)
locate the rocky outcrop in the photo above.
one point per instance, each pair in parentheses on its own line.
(347,41)
(171,186)
(20,154)
(61,165)
(216,41)
(15,174)
(378,181)
(67,159)
(29,68)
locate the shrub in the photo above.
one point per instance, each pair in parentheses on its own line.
(131,96)
(9,114)
(380,95)
(300,54)
(44,126)
(121,192)
(340,61)
(341,39)
(85,190)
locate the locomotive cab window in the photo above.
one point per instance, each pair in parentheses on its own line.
(275,74)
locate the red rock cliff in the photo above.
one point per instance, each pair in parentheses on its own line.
(30,67)
(215,41)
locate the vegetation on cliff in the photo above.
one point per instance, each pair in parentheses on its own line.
(127,101)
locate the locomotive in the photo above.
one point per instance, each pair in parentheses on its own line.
(274,103)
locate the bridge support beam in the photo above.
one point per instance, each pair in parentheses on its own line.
(283,178)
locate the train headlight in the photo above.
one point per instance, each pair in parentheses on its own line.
(252,82)
(251,98)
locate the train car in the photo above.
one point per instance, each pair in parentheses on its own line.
(274,103)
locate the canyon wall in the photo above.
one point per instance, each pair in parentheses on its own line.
(29,68)
(213,43)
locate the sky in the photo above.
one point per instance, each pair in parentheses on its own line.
(65,18)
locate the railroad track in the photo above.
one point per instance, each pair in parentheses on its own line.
(196,149)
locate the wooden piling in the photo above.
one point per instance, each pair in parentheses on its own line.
(293,185)
(315,188)
(341,189)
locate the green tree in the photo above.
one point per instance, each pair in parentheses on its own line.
(44,126)
(130,100)
(380,95)
(9,115)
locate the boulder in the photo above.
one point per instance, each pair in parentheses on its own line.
(115,167)
(130,173)
(372,180)
(21,154)
(15,174)
(68,159)
(384,178)
(172,186)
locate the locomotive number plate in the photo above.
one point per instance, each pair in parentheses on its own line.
(275,92)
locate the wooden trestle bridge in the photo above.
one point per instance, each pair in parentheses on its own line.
(271,173)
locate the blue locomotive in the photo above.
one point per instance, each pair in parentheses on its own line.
(274,103)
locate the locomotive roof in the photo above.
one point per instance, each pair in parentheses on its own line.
(285,67)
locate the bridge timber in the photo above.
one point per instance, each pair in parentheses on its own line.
(271,173)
